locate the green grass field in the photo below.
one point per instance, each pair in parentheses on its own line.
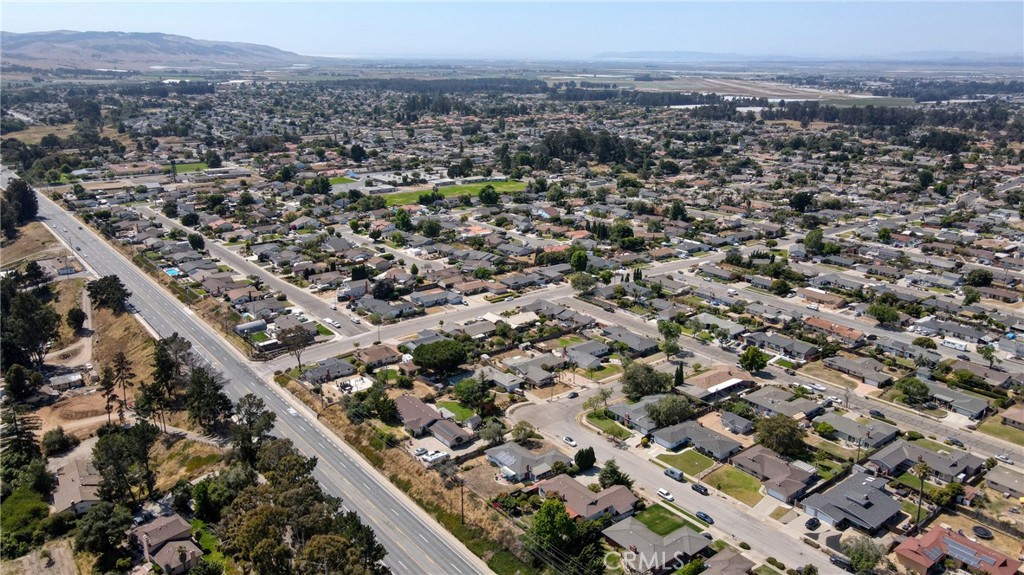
(660,519)
(461,413)
(608,425)
(405,198)
(993,426)
(207,542)
(189,167)
(735,484)
(340,180)
(607,370)
(689,462)
(912,481)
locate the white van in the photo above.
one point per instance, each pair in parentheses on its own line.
(731,291)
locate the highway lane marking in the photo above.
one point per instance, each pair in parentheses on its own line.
(422,537)
(395,512)
(457,568)
(403,564)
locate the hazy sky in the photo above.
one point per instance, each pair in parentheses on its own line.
(554,30)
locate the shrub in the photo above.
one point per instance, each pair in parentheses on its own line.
(744,546)
(56,441)
(776,563)
(914,435)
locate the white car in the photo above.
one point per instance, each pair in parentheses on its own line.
(813,307)
(1004,459)
(664,494)
(334,306)
(356,320)
(569,441)
(818,387)
(292,412)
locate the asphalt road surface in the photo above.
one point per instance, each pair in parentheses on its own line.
(415,542)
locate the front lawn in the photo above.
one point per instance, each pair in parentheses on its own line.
(207,542)
(689,462)
(340,180)
(735,484)
(323,330)
(993,426)
(411,197)
(607,370)
(461,413)
(569,340)
(187,168)
(660,519)
(606,424)
(932,445)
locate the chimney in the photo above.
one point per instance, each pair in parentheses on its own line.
(145,546)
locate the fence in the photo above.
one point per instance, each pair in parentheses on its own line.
(1004,526)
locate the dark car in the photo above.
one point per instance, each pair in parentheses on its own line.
(872,337)
(955,441)
(842,563)
(707,536)
(813,523)
(876,414)
(573,395)
(705,517)
(699,489)
(963,356)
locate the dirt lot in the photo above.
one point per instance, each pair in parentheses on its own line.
(80,414)
(713,421)
(184,459)
(122,332)
(66,295)
(35,242)
(62,561)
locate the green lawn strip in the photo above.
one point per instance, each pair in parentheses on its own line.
(461,413)
(909,506)
(660,519)
(735,484)
(994,427)
(697,525)
(207,542)
(911,481)
(259,336)
(932,445)
(608,425)
(607,370)
(340,180)
(765,570)
(323,330)
(189,167)
(569,340)
(405,198)
(689,462)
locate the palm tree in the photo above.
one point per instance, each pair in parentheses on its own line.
(922,470)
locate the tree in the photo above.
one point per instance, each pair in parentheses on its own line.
(824,429)
(75,318)
(680,376)
(108,390)
(414,270)
(109,292)
(251,427)
(884,313)
(677,211)
(814,242)
(152,402)
(493,432)
(27,329)
(670,332)
(922,470)
(753,359)
(781,287)
(782,434)
(212,159)
(205,398)
(295,339)
(57,441)
(914,391)
(523,431)
(611,475)
(197,242)
(582,282)
(444,356)
(640,380)
(190,219)
(979,278)
(989,354)
(18,447)
(124,378)
(20,201)
(925,342)
(488,196)
(800,201)
(971,296)
(103,529)
(863,553)
(670,410)
(551,527)
(885,235)
(585,458)
(383,289)
(430,228)
(20,383)
(578,261)
(34,274)
(472,392)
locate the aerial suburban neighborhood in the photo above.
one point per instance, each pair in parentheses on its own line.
(340,318)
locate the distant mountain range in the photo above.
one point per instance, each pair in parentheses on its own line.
(136,51)
(713,57)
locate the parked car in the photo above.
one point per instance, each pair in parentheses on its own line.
(675,474)
(700,489)
(705,517)
(356,320)
(963,356)
(664,494)
(841,562)
(813,523)
(876,414)
(956,442)
(419,451)
(1004,459)
(573,395)
(818,387)
(872,337)
(569,441)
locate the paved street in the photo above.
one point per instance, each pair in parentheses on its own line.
(415,542)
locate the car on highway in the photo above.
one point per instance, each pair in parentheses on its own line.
(334,306)
(569,441)
(813,307)
(700,489)
(705,517)
(665,494)
(78,248)
(330,321)
(292,412)
(1002,457)
(813,523)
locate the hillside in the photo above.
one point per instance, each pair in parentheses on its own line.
(135,51)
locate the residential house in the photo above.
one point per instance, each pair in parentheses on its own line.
(773,400)
(868,435)
(1013,417)
(644,551)
(728,561)
(77,489)
(635,344)
(377,355)
(1005,480)
(736,424)
(717,383)
(957,401)
(167,542)
(821,297)
(328,370)
(516,463)
(784,345)
(416,416)
(704,440)
(942,548)
(860,501)
(947,466)
(634,415)
(616,501)
(847,335)
(783,480)
(867,370)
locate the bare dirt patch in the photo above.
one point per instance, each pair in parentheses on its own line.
(34,242)
(121,332)
(184,459)
(67,294)
(62,561)
(69,412)
(713,421)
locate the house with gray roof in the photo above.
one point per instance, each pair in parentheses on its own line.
(947,466)
(708,321)
(772,400)
(783,344)
(653,553)
(871,435)
(704,440)
(957,401)
(736,423)
(860,501)
(516,463)
(636,344)
(634,415)
(783,480)
(867,370)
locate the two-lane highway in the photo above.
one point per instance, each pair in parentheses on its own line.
(415,542)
